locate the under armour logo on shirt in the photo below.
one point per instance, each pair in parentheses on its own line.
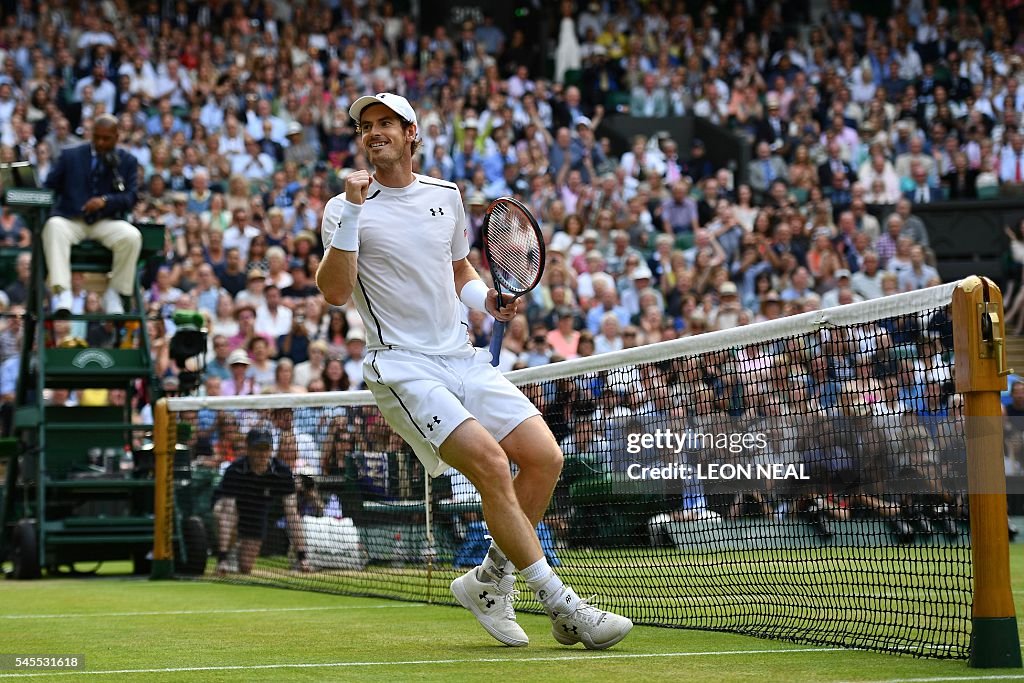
(437,421)
(437,212)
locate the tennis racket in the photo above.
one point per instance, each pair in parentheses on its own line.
(514,247)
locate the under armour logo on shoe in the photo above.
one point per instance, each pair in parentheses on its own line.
(567,628)
(437,212)
(487,601)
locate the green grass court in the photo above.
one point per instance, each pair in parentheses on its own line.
(135,629)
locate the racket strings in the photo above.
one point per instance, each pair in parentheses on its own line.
(514,249)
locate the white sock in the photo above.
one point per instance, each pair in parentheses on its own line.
(495,565)
(549,589)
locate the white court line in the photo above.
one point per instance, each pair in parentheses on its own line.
(419,662)
(90,615)
(937,679)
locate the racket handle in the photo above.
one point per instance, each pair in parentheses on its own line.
(497,335)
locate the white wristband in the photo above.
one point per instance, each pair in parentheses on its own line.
(346,236)
(474,295)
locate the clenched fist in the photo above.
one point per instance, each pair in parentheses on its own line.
(356,186)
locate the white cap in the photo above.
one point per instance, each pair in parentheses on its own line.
(560,242)
(238,356)
(395,103)
(642,271)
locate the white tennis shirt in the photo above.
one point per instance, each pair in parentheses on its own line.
(408,238)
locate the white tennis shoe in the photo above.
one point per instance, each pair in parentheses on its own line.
(595,628)
(493,606)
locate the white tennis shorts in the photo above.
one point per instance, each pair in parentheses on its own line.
(424,398)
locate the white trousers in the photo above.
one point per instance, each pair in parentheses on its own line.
(120,237)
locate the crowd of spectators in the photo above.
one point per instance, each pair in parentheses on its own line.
(238,116)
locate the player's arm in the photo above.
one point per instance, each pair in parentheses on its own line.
(336,276)
(477,295)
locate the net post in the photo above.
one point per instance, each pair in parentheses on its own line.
(980,376)
(163,494)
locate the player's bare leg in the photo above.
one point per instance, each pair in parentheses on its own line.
(472,450)
(532,447)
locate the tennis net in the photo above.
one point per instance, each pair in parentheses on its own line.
(801,479)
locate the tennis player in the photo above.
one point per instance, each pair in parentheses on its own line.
(397,242)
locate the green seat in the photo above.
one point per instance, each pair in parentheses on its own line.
(684,240)
(616,99)
(92,257)
(577,467)
(988,192)
(800,194)
(8,448)
(81,368)
(66,449)
(8,264)
(593,486)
